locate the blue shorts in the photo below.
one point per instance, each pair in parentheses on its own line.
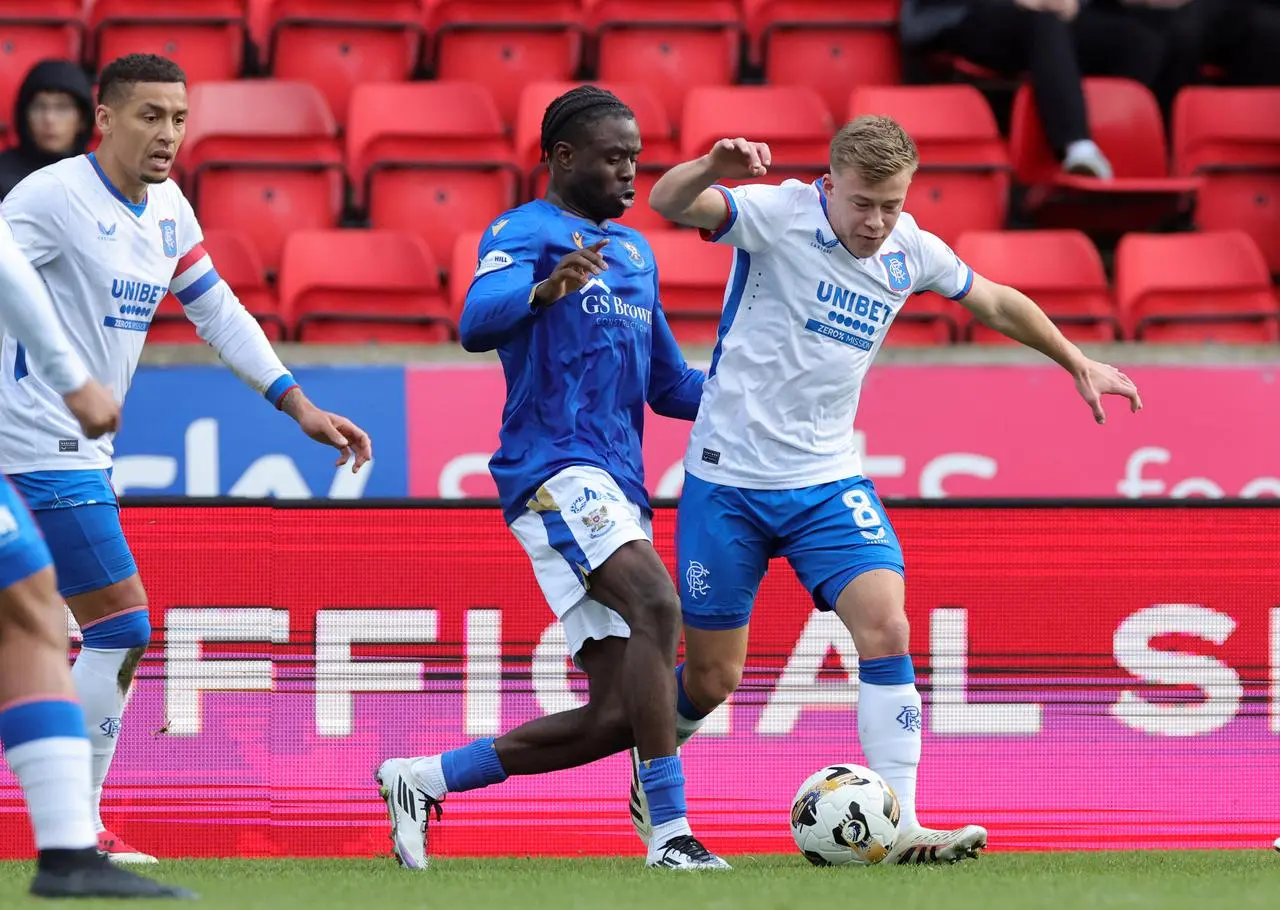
(80,517)
(725,537)
(22,550)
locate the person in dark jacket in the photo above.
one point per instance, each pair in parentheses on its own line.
(53,117)
(1056,42)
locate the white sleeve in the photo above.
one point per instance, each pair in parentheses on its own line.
(36,211)
(221,319)
(758,215)
(27,313)
(942,271)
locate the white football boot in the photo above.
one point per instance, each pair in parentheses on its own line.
(409,807)
(684,852)
(922,846)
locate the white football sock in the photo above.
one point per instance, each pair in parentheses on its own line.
(667,830)
(96,674)
(430,774)
(889,724)
(54,774)
(685,728)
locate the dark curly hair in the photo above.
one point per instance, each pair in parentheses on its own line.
(122,74)
(567,118)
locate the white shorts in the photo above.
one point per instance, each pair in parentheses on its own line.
(577,520)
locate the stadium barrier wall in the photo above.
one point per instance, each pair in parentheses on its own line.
(1094,677)
(925,431)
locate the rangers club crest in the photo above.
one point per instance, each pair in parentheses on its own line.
(169,237)
(895,267)
(634,252)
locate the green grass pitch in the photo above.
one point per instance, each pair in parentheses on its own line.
(1198,880)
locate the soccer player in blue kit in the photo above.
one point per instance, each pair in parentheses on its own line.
(569,299)
(42,727)
(819,273)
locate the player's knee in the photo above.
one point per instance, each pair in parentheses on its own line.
(657,616)
(883,636)
(710,683)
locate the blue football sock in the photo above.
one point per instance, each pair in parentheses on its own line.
(472,766)
(663,783)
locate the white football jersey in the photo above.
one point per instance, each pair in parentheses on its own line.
(803,319)
(107,263)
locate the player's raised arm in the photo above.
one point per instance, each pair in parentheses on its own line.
(1015,315)
(684,194)
(225,325)
(27,313)
(675,388)
(506,294)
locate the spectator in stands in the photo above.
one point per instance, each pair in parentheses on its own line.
(53,117)
(1057,41)
(1240,37)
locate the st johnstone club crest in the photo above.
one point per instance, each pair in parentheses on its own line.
(634,252)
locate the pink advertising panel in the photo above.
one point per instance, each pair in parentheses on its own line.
(1093,678)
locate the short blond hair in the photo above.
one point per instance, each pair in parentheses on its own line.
(876,147)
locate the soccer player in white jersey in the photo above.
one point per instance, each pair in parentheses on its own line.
(820,272)
(42,728)
(110,234)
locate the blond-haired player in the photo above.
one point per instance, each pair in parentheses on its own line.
(820,272)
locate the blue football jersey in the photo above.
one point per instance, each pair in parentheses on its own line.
(580,371)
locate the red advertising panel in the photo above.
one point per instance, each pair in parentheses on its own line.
(943,431)
(1092,677)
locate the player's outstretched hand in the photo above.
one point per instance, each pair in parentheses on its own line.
(738,159)
(330,429)
(95,407)
(1098,379)
(571,273)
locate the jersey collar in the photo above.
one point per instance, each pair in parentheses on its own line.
(822,200)
(136,207)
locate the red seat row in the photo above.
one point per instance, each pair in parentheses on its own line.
(337,44)
(434,158)
(384,286)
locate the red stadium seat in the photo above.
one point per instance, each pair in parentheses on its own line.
(263,160)
(692,275)
(669,45)
(1060,270)
(355,287)
(31,31)
(338,44)
(1230,137)
(1125,121)
(925,320)
(964,175)
(506,44)
(205,37)
(791,119)
(1205,286)
(827,45)
(462,269)
(238,264)
(430,158)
